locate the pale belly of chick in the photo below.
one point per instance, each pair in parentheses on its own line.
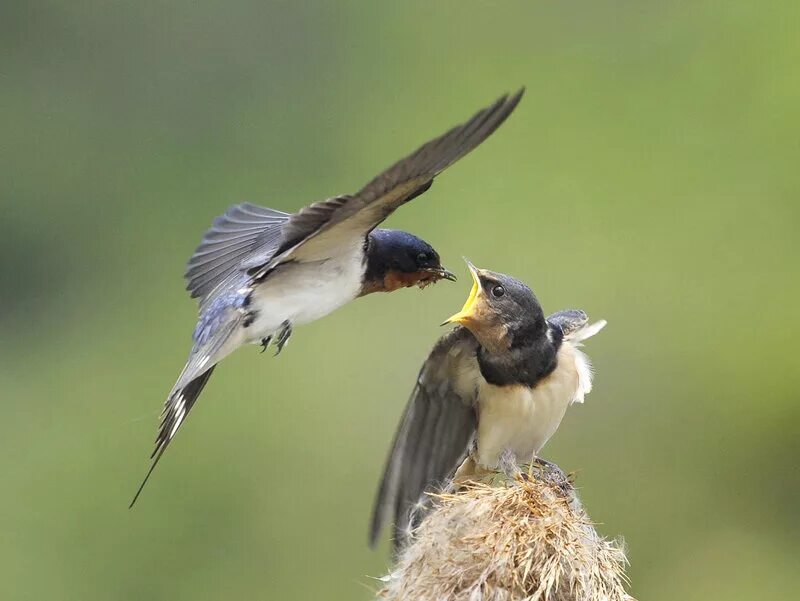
(522,419)
(303,292)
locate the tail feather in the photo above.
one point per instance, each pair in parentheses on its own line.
(177,407)
(225,337)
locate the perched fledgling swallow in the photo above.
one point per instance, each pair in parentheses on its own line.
(259,272)
(498,384)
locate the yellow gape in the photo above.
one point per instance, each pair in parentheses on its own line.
(468,310)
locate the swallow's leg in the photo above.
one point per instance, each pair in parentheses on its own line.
(468,467)
(265,343)
(282,337)
(470,471)
(508,464)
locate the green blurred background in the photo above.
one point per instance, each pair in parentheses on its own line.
(650,177)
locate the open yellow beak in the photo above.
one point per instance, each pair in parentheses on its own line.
(468,310)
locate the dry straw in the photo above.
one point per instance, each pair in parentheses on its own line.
(521,538)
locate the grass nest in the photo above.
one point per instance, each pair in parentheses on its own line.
(525,537)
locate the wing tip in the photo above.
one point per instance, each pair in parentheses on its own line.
(381,509)
(374,535)
(509,104)
(486,121)
(506,104)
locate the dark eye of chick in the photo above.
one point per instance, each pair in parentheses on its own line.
(498,291)
(423,257)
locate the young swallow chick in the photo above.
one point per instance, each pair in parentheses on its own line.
(493,389)
(259,272)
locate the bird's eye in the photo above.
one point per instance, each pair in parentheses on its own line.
(423,257)
(498,291)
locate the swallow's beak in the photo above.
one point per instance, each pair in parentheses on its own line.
(440,273)
(468,310)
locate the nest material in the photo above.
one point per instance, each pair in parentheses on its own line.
(522,538)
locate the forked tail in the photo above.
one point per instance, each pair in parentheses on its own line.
(177,407)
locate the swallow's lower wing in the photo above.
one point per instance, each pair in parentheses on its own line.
(568,320)
(232,237)
(434,434)
(324,227)
(210,348)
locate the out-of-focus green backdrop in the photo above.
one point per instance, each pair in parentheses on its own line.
(649,176)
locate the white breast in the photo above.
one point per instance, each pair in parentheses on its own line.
(302,292)
(522,419)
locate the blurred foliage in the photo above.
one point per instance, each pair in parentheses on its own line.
(650,177)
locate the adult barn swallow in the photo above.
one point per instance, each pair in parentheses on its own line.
(259,272)
(497,384)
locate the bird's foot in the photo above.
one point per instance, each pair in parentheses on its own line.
(265,343)
(550,473)
(282,337)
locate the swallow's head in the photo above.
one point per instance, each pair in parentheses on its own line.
(397,259)
(500,310)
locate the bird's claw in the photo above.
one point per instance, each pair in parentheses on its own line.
(282,337)
(265,343)
(552,474)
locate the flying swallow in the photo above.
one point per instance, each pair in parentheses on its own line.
(497,384)
(259,272)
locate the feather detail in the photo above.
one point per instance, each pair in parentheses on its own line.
(586,331)
(582,363)
(232,238)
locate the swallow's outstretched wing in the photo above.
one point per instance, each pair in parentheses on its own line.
(434,434)
(324,227)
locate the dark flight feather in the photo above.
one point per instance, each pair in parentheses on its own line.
(434,433)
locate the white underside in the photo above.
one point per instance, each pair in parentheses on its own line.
(520,419)
(302,292)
